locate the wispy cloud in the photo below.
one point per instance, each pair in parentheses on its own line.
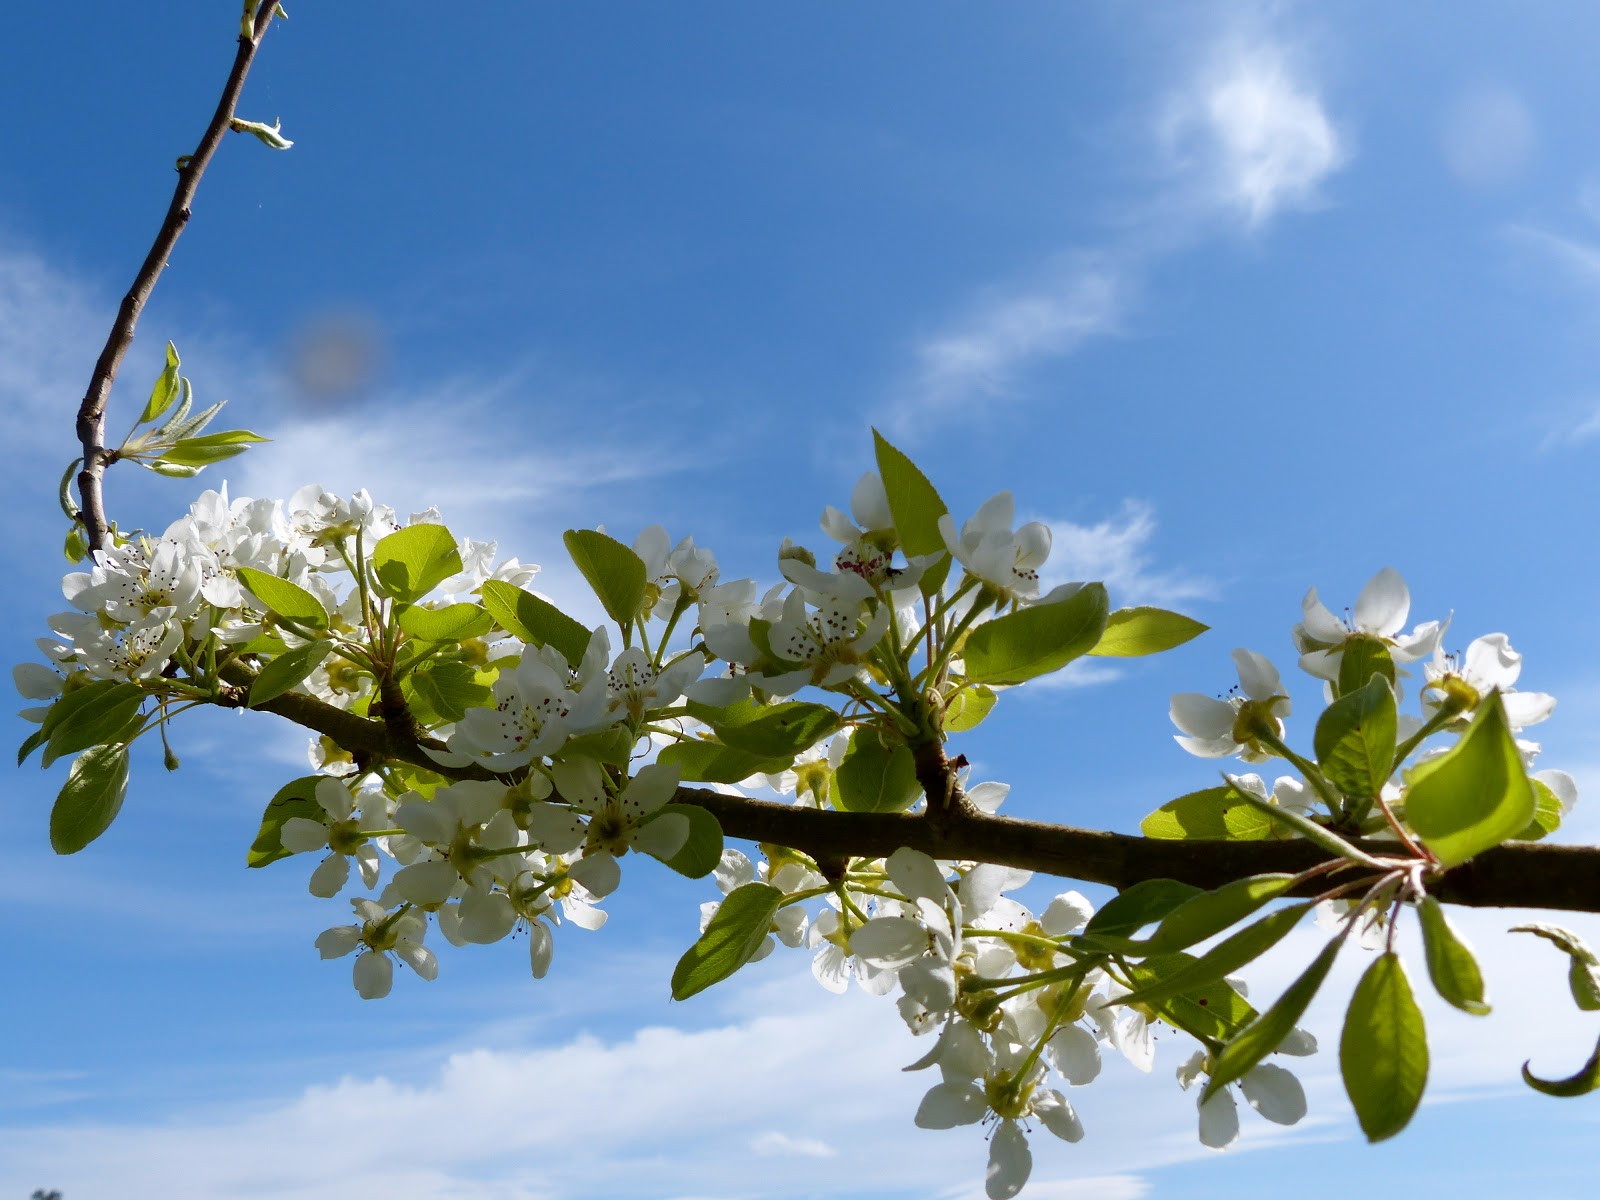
(1007,330)
(1578,260)
(1242,138)
(1117,552)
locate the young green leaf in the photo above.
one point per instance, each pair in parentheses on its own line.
(1211,1010)
(1266,1033)
(1451,966)
(90,799)
(535,620)
(1134,632)
(411,562)
(702,851)
(1583,975)
(1138,905)
(771,730)
(710,762)
(1209,913)
(1213,814)
(1035,641)
(614,571)
(211,448)
(1364,657)
(287,671)
(1476,794)
(1222,960)
(1547,813)
(286,599)
(732,938)
(450,688)
(452,623)
(1355,739)
(89,716)
(31,743)
(916,507)
(613,745)
(165,390)
(875,776)
(1383,1051)
(297,798)
(968,707)
(1585,1081)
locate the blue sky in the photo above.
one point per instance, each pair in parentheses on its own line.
(1241,298)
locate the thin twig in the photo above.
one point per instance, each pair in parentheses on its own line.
(92,412)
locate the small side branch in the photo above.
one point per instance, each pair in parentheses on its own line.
(91,425)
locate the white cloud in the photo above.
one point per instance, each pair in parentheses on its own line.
(1116,551)
(1247,136)
(1009,330)
(1251,135)
(1577,259)
(1488,137)
(775,1143)
(51,328)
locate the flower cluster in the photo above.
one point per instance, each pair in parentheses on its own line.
(507,759)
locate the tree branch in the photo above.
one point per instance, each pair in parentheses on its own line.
(92,411)
(1517,875)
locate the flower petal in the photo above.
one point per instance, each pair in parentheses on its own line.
(1383,604)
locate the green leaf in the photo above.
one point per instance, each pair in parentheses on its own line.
(1222,960)
(1547,814)
(1211,1010)
(297,798)
(875,776)
(535,621)
(709,762)
(1133,632)
(913,501)
(612,745)
(1363,658)
(90,799)
(770,730)
(732,938)
(212,448)
(1266,1033)
(1213,814)
(1131,909)
(411,562)
(1209,913)
(286,671)
(88,716)
(1383,1051)
(166,389)
(170,470)
(33,741)
(76,545)
(1586,1080)
(1355,739)
(702,851)
(452,623)
(614,571)
(1035,641)
(284,598)
(1476,794)
(1583,976)
(968,708)
(916,508)
(1451,966)
(450,689)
